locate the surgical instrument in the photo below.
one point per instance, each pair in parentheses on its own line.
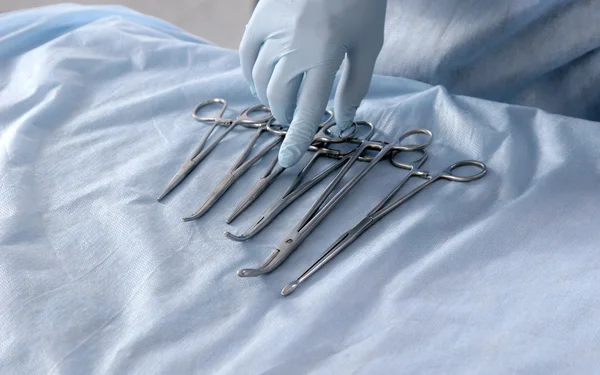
(200,152)
(382,209)
(274,170)
(298,187)
(322,207)
(243,164)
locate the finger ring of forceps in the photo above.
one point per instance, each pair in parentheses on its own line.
(200,152)
(244,163)
(298,186)
(383,208)
(326,202)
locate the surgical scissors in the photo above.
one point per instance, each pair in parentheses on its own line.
(243,164)
(381,210)
(322,207)
(200,152)
(297,188)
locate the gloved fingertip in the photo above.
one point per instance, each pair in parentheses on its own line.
(344,124)
(288,156)
(344,116)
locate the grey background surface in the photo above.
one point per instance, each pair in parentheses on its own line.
(220,21)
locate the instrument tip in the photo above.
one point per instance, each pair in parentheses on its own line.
(236,212)
(289,288)
(248,273)
(232,236)
(197,215)
(166,191)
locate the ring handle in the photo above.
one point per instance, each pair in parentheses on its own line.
(355,126)
(218,117)
(370,133)
(417,164)
(449,175)
(276,128)
(328,119)
(412,147)
(325,135)
(319,145)
(245,120)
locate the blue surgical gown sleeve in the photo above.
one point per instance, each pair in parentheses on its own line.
(543,54)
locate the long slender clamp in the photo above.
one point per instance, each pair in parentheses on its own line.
(381,210)
(319,144)
(243,164)
(322,206)
(298,187)
(200,152)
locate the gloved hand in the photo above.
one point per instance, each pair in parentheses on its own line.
(291,52)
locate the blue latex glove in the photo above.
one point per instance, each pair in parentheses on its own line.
(291,52)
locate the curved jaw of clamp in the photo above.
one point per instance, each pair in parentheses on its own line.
(238,238)
(251,232)
(200,212)
(216,194)
(272,262)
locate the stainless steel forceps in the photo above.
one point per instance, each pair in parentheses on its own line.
(320,145)
(383,208)
(200,152)
(298,187)
(322,207)
(243,163)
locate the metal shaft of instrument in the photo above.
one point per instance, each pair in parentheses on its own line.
(268,178)
(322,207)
(201,155)
(347,238)
(202,150)
(318,211)
(240,167)
(295,191)
(382,209)
(320,142)
(273,171)
(198,155)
